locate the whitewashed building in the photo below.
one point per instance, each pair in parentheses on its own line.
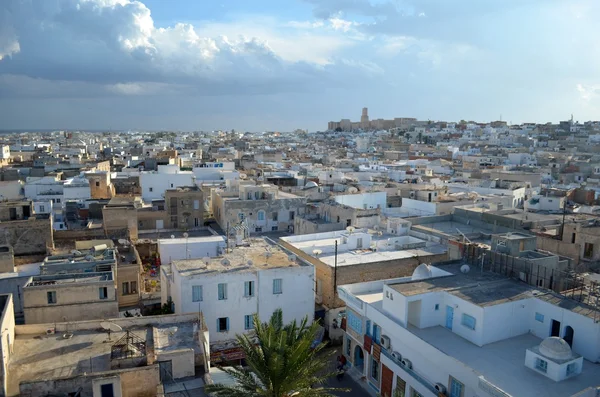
(259,277)
(155,183)
(460,332)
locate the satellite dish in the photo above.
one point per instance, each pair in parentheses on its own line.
(185,235)
(352,190)
(206,259)
(250,263)
(225,262)
(465,269)
(122,241)
(292,258)
(89,258)
(76,252)
(317,252)
(172,236)
(350,229)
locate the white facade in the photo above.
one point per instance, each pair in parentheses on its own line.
(155,183)
(296,298)
(192,247)
(363,200)
(466,334)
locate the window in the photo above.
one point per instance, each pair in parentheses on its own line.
(400,386)
(368,327)
(58,200)
(275,216)
(249,288)
(126,288)
(539,317)
(468,321)
(437,306)
(196,204)
(222,291)
(133,287)
(456,388)
(103,292)
(196,222)
(277,287)
(571,369)
(541,365)
(248,322)
(150,189)
(223,324)
(573,236)
(258,229)
(197,293)
(376,333)
(348,346)
(171,185)
(261,215)
(97,183)
(242,216)
(107,390)
(588,250)
(374,369)
(51,297)
(274,228)
(42,208)
(292,215)
(354,322)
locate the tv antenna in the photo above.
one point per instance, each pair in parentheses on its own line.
(110,327)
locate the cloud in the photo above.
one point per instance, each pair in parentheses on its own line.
(588,92)
(116,44)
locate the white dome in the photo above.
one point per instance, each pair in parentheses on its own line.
(311,184)
(422,272)
(556,348)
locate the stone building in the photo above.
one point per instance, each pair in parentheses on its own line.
(26,233)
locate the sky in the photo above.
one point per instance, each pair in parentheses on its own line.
(279,65)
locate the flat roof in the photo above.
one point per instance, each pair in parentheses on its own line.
(258,254)
(52,356)
(191,240)
(364,256)
(503,363)
(175,337)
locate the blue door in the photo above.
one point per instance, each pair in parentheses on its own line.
(449,316)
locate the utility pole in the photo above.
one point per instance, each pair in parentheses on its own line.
(335,269)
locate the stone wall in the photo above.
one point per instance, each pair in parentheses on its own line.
(135,382)
(32,236)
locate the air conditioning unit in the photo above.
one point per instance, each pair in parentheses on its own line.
(441,389)
(50,331)
(385,342)
(397,356)
(406,363)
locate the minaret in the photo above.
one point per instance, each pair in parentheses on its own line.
(364,119)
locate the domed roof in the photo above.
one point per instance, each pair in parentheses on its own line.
(556,348)
(311,184)
(422,272)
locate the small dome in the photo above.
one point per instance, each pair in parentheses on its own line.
(556,348)
(310,184)
(422,272)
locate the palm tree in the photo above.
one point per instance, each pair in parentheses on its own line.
(282,362)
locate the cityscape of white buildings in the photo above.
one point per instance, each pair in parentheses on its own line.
(440,258)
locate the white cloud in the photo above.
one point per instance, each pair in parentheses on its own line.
(588,92)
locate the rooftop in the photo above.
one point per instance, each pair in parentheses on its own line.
(258,254)
(176,337)
(503,363)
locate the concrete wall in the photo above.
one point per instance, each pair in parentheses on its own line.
(14,286)
(134,382)
(75,302)
(7,325)
(363,200)
(154,184)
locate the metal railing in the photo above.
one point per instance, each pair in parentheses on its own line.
(430,386)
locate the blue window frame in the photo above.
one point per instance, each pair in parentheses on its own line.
(571,369)
(222,292)
(374,369)
(376,333)
(261,215)
(437,306)
(248,322)
(197,293)
(277,286)
(348,346)
(368,327)
(223,324)
(539,317)
(354,322)
(541,365)
(249,288)
(468,321)
(456,388)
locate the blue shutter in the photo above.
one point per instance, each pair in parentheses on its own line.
(218,329)
(227,324)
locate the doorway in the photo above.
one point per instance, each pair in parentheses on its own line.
(555,330)
(359,359)
(568,336)
(166,371)
(449,317)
